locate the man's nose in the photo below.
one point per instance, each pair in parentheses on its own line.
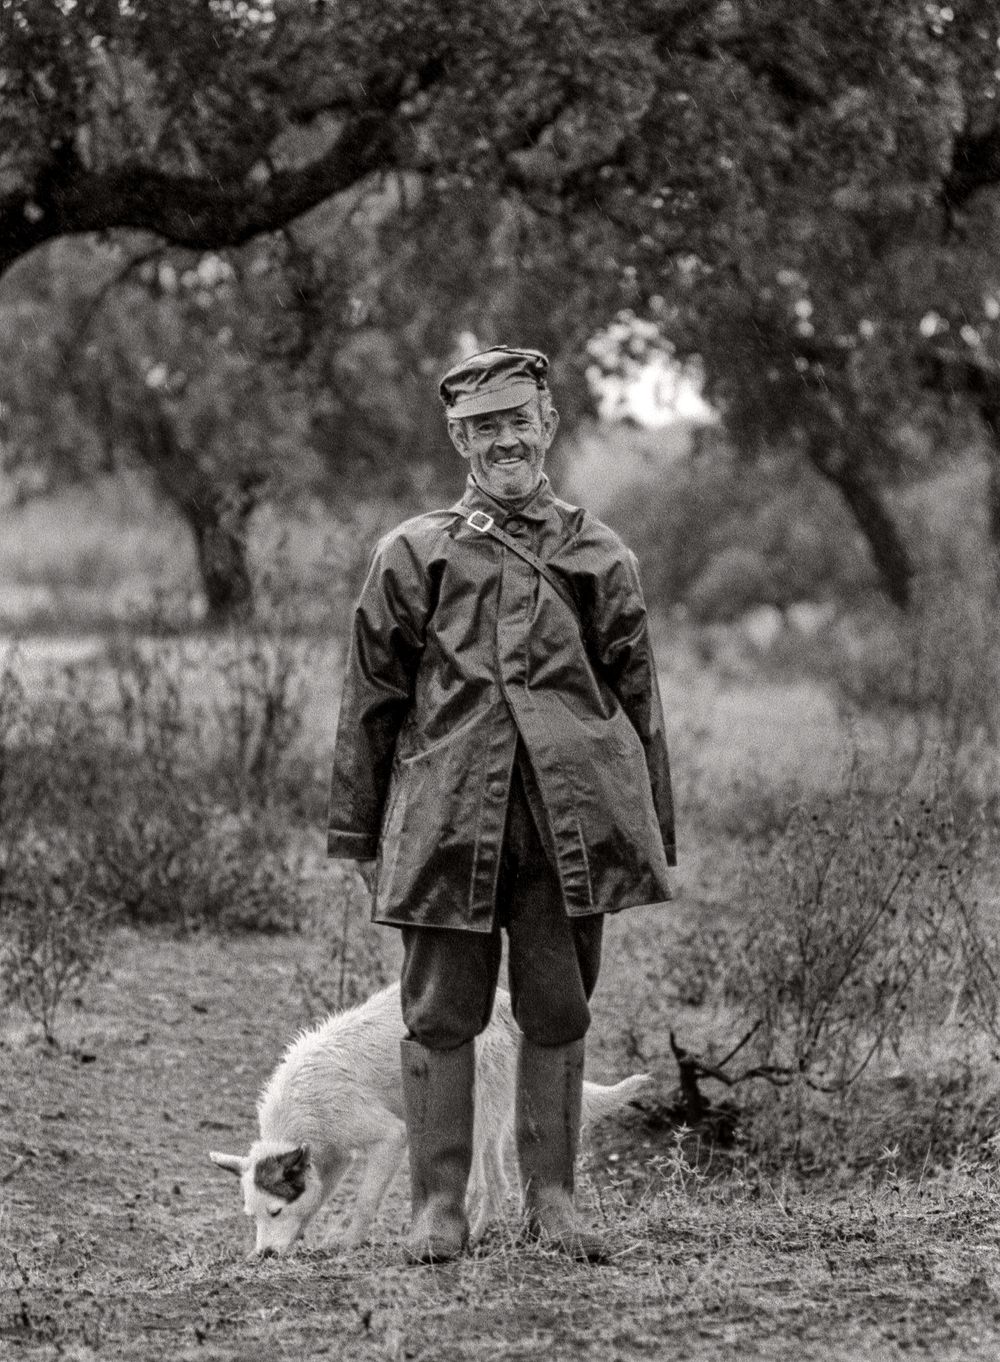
(507,438)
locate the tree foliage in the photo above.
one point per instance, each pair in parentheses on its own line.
(804,197)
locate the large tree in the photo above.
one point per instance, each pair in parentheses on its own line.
(804,190)
(211,121)
(206,126)
(789,191)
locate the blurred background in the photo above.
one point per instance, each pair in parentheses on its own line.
(239,243)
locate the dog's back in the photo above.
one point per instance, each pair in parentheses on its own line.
(337,1076)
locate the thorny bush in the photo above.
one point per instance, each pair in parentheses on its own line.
(200,833)
(347,959)
(154,790)
(51,925)
(864,915)
(51,918)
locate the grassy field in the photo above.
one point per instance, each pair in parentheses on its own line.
(118,1238)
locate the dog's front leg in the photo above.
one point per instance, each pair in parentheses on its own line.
(383,1159)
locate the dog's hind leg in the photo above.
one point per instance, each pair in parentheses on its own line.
(477,1200)
(381,1162)
(490,1183)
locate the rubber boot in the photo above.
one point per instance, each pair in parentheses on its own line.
(547,1123)
(438,1088)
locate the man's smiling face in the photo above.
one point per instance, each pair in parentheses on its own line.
(506,449)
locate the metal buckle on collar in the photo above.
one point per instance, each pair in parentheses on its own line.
(480,521)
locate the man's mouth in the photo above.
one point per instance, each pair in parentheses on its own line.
(509,461)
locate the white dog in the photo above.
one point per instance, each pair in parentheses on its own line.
(337,1094)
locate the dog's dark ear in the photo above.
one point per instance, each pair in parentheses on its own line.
(283,1174)
(232,1163)
(298,1161)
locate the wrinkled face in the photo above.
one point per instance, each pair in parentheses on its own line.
(506,449)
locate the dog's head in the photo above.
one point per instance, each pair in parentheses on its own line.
(282,1191)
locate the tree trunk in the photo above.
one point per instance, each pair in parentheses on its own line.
(982,381)
(987,398)
(864,500)
(218,513)
(993,498)
(220,536)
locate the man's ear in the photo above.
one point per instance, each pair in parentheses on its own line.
(551,425)
(459,438)
(283,1174)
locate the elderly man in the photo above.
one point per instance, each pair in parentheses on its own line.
(500,764)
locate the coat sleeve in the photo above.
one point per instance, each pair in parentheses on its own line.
(620,633)
(387,640)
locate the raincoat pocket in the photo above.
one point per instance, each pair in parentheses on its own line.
(429,832)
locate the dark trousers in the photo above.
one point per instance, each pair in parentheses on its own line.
(449,976)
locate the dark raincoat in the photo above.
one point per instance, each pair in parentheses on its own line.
(460,649)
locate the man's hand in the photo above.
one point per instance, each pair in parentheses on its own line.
(366,869)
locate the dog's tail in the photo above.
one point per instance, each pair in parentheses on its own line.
(599,1100)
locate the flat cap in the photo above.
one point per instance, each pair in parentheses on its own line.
(493,380)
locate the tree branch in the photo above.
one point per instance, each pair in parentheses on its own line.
(975,164)
(979,377)
(188,210)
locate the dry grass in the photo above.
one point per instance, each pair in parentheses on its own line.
(120,1240)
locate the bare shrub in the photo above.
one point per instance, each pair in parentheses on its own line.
(258,709)
(152,794)
(51,920)
(861,995)
(170,855)
(199,828)
(862,908)
(863,929)
(150,713)
(346,962)
(180,861)
(52,926)
(170,773)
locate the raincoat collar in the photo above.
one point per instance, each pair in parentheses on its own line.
(537,509)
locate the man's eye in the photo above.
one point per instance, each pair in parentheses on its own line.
(272,1214)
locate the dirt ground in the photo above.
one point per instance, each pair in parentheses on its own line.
(118,1238)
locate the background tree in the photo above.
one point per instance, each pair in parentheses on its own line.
(160,366)
(788,206)
(792,198)
(788,194)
